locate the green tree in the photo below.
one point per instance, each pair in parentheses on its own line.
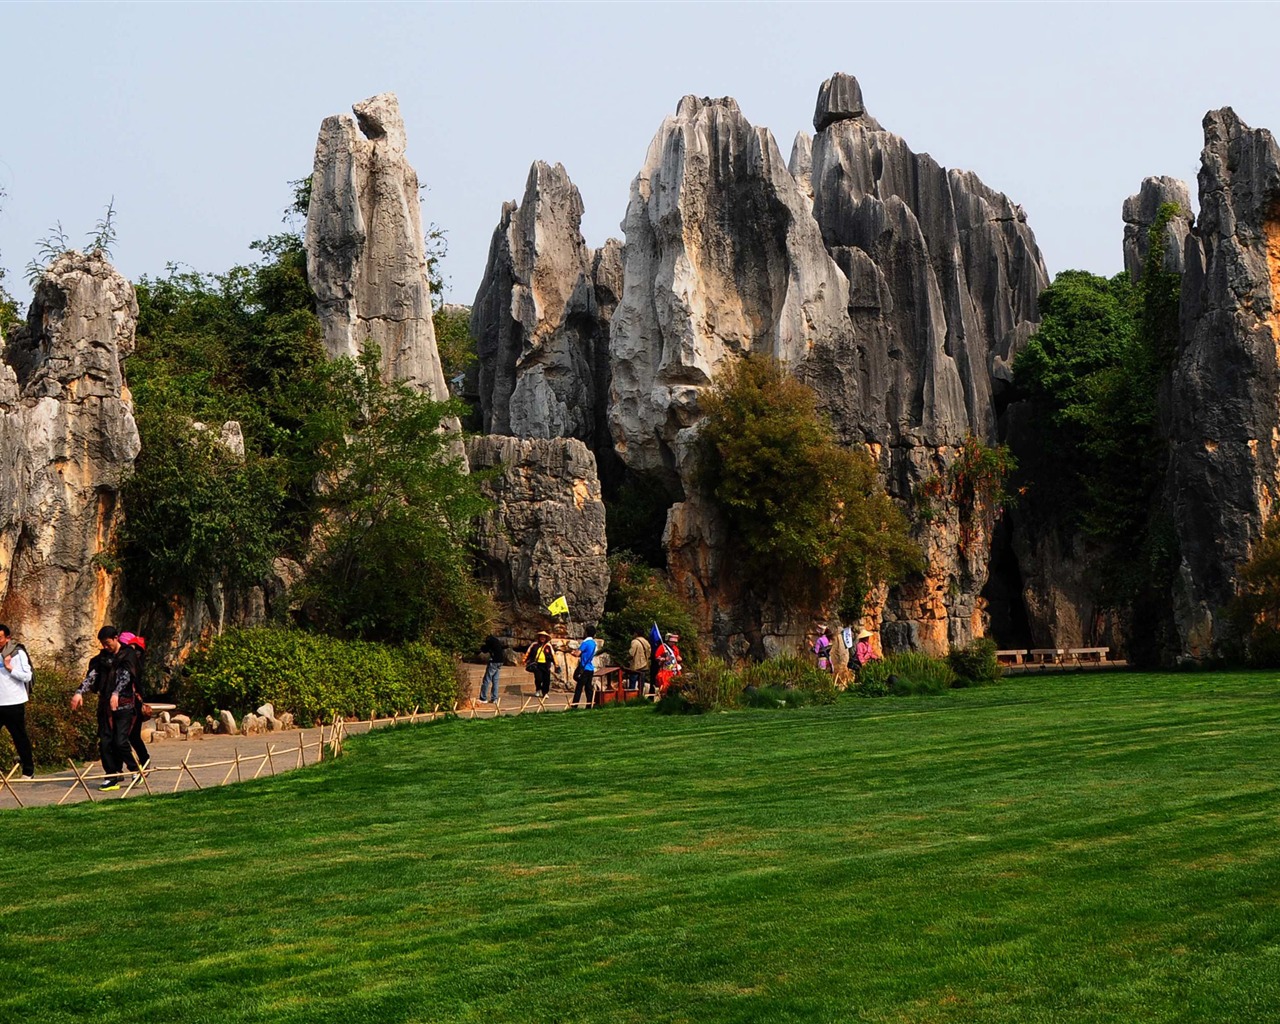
(639,596)
(453,339)
(805,514)
(391,560)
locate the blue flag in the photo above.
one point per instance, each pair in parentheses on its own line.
(655,636)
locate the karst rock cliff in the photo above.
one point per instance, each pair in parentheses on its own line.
(898,290)
(545,537)
(67,440)
(365,249)
(541,331)
(1221,409)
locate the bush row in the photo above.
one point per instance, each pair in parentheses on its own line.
(316,677)
(711,684)
(912,672)
(56,732)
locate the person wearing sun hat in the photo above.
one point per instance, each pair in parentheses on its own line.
(539,658)
(863,653)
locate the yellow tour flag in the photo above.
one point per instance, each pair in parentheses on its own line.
(558,607)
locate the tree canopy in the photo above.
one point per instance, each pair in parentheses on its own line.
(804,513)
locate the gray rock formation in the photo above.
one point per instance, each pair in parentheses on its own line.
(546,535)
(1140,212)
(722,258)
(1224,479)
(542,346)
(900,292)
(944,274)
(365,256)
(67,438)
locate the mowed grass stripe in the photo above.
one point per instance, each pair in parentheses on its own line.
(1082,847)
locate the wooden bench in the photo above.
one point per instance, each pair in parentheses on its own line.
(609,685)
(1080,655)
(1045,656)
(1010,657)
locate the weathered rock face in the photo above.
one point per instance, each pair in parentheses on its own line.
(68,437)
(1140,212)
(365,256)
(546,535)
(722,258)
(898,290)
(540,335)
(1222,412)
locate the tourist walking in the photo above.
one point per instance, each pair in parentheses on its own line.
(822,649)
(585,674)
(669,663)
(492,649)
(538,658)
(111,676)
(134,648)
(638,655)
(15,691)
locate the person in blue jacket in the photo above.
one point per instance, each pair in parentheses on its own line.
(585,674)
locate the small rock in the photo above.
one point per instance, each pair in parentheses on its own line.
(173,730)
(286,720)
(195,731)
(273,725)
(210,724)
(181,719)
(164,718)
(267,711)
(148,734)
(228,723)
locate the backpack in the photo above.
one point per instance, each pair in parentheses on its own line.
(31,682)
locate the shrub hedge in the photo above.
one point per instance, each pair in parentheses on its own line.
(910,672)
(711,685)
(975,663)
(56,731)
(316,677)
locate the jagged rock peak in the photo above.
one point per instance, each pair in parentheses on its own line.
(535,316)
(65,448)
(690,105)
(1140,211)
(801,163)
(839,99)
(365,256)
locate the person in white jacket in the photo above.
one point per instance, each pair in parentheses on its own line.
(15,691)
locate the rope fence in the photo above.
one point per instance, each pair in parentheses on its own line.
(277,757)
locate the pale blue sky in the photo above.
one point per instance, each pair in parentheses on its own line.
(195,116)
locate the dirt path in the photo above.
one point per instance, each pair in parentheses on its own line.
(212,761)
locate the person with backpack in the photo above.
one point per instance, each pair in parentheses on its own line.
(585,674)
(538,659)
(822,649)
(134,648)
(15,691)
(111,676)
(495,653)
(668,656)
(638,662)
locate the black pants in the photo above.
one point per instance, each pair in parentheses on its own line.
(113,742)
(14,718)
(135,739)
(586,684)
(542,677)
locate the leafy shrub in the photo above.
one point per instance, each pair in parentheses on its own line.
(638,597)
(909,673)
(56,731)
(975,663)
(803,512)
(711,685)
(315,676)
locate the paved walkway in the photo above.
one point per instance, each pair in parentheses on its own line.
(212,761)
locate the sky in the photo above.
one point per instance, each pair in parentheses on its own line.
(195,117)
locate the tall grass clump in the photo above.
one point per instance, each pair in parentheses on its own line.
(975,664)
(910,673)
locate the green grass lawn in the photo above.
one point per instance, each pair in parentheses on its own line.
(1065,848)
